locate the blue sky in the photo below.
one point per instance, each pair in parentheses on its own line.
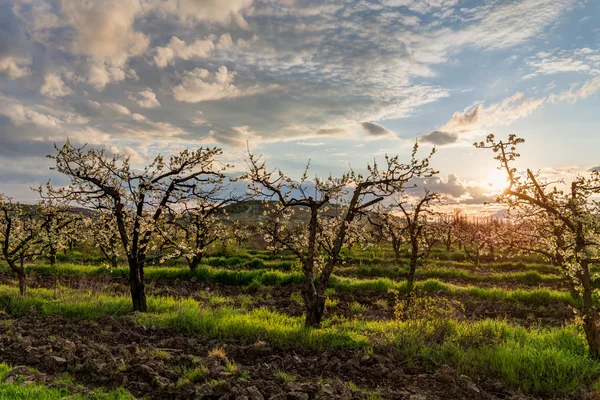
(339,82)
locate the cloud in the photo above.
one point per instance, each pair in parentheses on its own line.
(584,60)
(237,137)
(94,109)
(453,190)
(439,138)
(466,118)
(54,86)
(310,143)
(193,11)
(178,49)
(331,131)
(201,85)
(478,116)
(104,29)
(145,99)
(422,6)
(577,92)
(14,67)
(376,130)
(100,73)
(14,46)
(304,70)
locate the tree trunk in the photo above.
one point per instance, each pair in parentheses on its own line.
(414,258)
(136,285)
(591,323)
(20,271)
(592,333)
(52,258)
(589,313)
(315,308)
(314,301)
(396,244)
(194,262)
(22,284)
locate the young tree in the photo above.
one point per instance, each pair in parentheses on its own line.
(335,206)
(574,210)
(191,230)
(391,227)
(21,231)
(476,238)
(137,201)
(60,228)
(447,225)
(416,216)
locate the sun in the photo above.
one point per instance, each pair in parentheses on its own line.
(496,180)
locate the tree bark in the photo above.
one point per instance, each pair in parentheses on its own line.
(396,244)
(194,262)
(414,258)
(592,333)
(22,284)
(315,308)
(137,288)
(314,301)
(52,256)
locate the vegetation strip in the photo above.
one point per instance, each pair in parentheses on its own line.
(540,361)
(269,278)
(15,387)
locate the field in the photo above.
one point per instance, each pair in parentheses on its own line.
(233,329)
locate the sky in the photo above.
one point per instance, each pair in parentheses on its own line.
(338,82)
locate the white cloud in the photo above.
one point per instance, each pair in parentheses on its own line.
(577,92)
(145,99)
(201,85)
(584,60)
(101,73)
(104,28)
(54,86)
(502,113)
(422,6)
(193,11)
(178,49)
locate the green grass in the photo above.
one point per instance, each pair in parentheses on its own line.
(500,266)
(528,277)
(260,278)
(534,296)
(552,361)
(18,391)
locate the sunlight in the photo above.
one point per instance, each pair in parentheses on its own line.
(496,180)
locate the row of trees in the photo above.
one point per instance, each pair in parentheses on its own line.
(175,207)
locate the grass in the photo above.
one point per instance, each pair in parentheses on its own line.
(534,296)
(19,391)
(256,280)
(528,277)
(551,361)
